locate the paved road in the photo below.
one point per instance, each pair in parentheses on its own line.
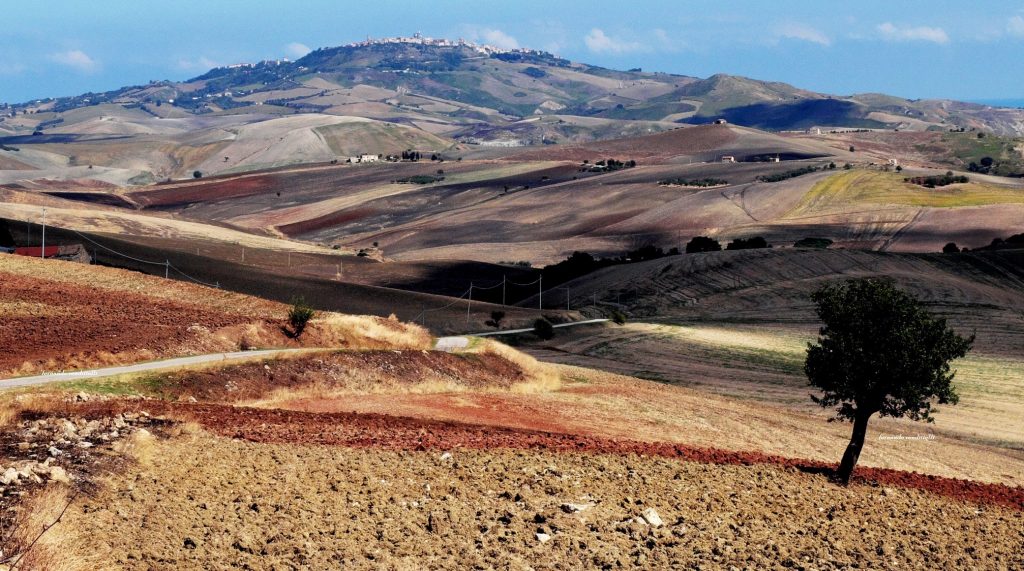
(457,342)
(529,329)
(48,378)
(449,344)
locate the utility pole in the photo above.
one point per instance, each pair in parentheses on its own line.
(567,299)
(470,303)
(42,251)
(503,291)
(167,269)
(243,254)
(595,299)
(540,293)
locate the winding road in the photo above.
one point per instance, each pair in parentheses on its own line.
(448,344)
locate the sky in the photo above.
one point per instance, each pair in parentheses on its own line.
(915,49)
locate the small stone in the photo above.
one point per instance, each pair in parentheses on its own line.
(189,543)
(191,399)
(81,397)
(85,444)
(446,456)
(543,537)
(576,508)
(24,446)
(58,474)
(10,476)
(651,516)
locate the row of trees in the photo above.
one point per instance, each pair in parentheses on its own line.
(937,180)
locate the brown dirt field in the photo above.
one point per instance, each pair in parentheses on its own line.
(686,140)
(377,431)
(208,502)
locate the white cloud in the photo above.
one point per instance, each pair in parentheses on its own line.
(599,42)
(202,64)
(76,59)
(490,36)
(666,42)
(297,50)
(796,31)
(498,39)
(11,68)
(916,33)
(1015,26)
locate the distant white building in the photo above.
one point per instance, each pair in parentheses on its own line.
(364,159)
(727,159)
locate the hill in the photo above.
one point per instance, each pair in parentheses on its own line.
(456,87)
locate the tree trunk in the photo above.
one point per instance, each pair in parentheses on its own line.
(860,430)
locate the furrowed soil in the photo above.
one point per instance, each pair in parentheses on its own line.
(205,502)
(52,323)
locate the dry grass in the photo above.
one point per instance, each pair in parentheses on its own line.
(49,544)
(364,332)
(542,377)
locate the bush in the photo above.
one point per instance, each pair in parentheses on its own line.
(495,320)
(420,179)
(820,243)
(754,243)
(696,182)
(197,174)
(299,316)
(618,317)
(934,181)
(950,248)
(777,177)
(543,329)
(702,244)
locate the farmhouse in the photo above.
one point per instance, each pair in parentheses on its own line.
(68,252)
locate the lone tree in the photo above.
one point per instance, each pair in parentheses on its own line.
(879,351)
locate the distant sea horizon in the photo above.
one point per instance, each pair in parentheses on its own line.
(1018,103)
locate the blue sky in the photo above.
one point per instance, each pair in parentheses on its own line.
(917,49)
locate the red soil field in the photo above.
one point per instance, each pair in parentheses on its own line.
(46,320)
(402,433)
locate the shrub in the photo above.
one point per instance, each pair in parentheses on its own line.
(950,248)
(754,243)
(777,177)
(543,329)
(197,174)
(618,317)
(299,316)
(495,320)
(696,182)
(820,243)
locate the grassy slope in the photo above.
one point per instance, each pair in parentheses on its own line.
(857,188)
